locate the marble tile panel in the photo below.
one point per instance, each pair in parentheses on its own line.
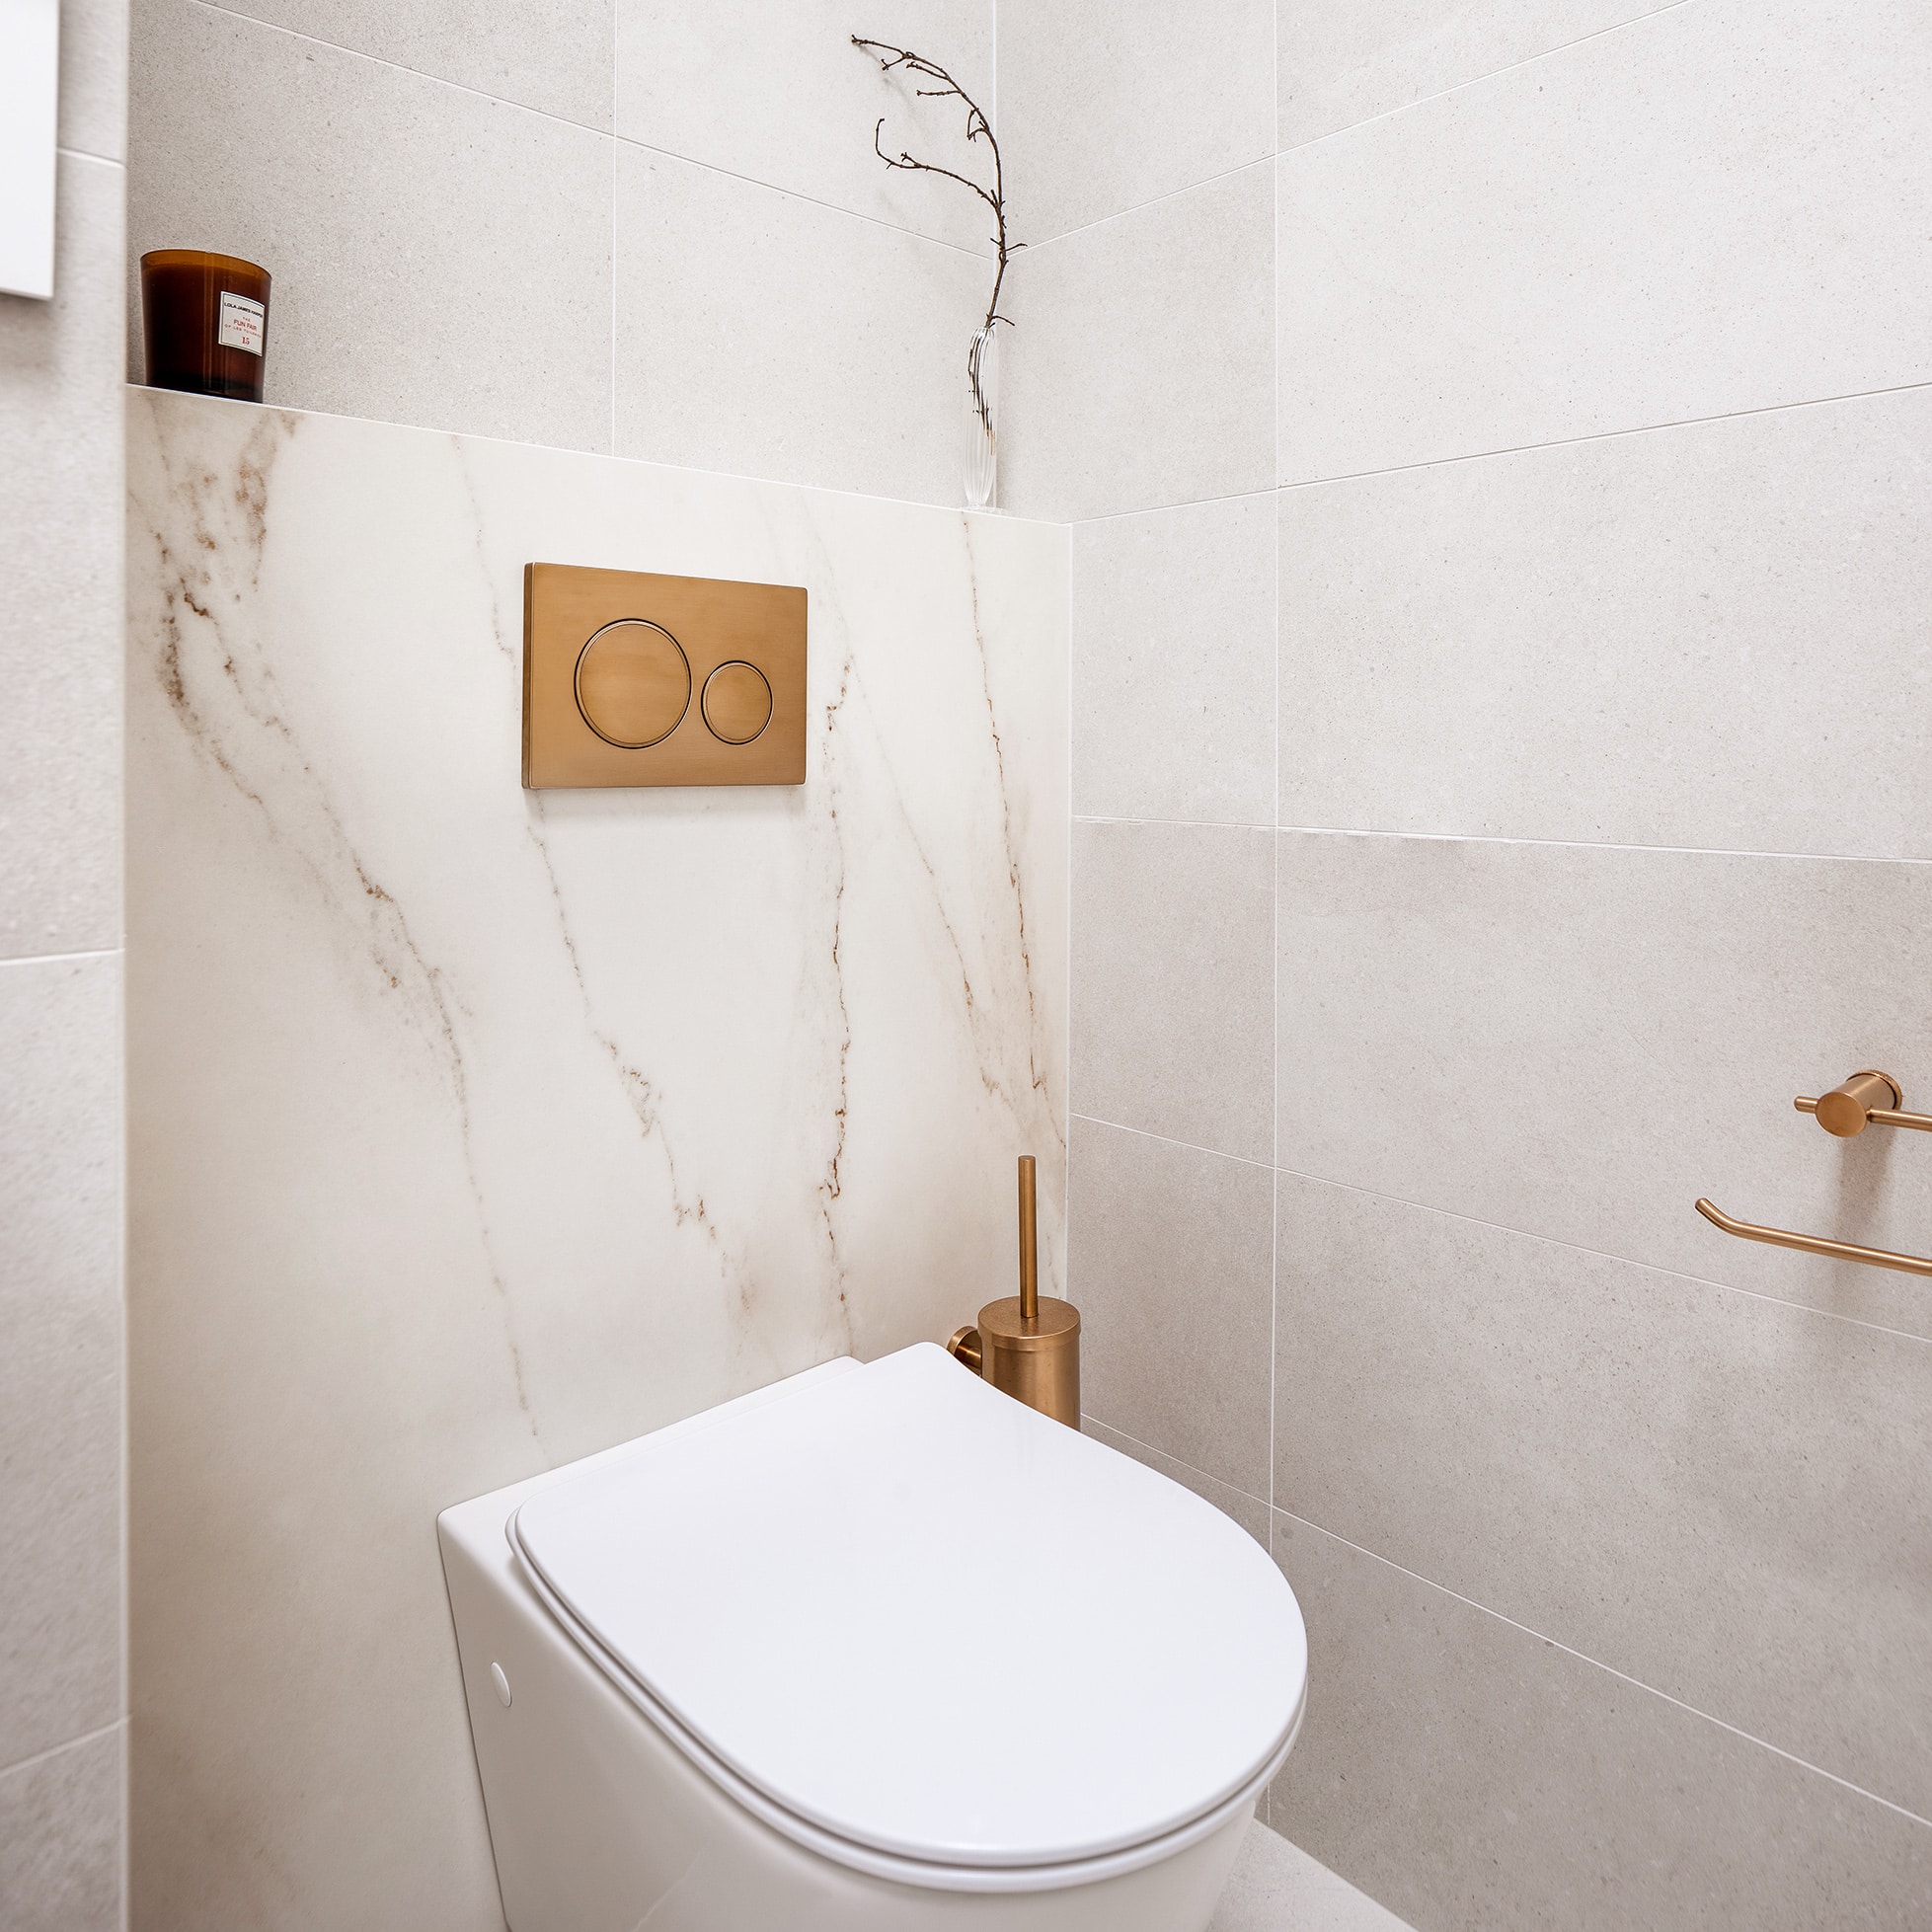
(1171,1263)
(60,1839)
(556,55)
(1624,640)
(1142,361)
(776,93)
(60,601)
(1500,267)
(1578,1042)
(1174,663)
(1340,65)
(1722,1495)
(852,382)
(1250,1512)
(473,1128)
(60,1442)
(94,77)
(1173,983)
(1468,1773)
(1106,108)
(438,256)
(1277,1887)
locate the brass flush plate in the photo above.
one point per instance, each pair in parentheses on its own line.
(636,679)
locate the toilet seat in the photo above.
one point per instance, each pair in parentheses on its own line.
(1041,1662)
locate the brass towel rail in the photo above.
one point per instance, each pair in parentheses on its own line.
(1815,1244)
(1864,1099)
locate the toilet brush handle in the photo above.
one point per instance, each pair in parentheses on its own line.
(1029,1242)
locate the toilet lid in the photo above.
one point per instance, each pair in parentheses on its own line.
(918,1615)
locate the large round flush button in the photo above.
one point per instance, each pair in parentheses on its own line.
(633,683)
(737,702)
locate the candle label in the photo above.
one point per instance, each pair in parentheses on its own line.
(241,323)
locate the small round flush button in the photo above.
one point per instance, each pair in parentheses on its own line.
(502,1682)
(633,683)
(737,702)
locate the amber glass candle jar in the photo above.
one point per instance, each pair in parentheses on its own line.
(204,321)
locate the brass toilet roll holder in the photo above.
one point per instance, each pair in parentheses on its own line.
(1867,1098)
(1029,1344)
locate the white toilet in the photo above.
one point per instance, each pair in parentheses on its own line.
(877,1647)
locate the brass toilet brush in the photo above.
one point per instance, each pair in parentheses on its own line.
(1028,1344)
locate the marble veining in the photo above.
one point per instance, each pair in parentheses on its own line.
(474,1128)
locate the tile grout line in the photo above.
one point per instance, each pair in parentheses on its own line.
(1274,865)
(1168,1140)
(1178,825)
(651,462)
(123,1652)
(1181,1462)
(614,262)
(1606,1254)
(1480,80)
(1276,152)
(1504,838)
(1665,428)
(1158,200)
(1516,1233)
(124,1644)
(1182,502)
(583,127)
(1608,845)
(795,194)
(1066,911)
(1624,1677)
(402,67)
(1066,915)
(614,271)
(33,1758)
(992,15)
(1274,1313)
(61,958)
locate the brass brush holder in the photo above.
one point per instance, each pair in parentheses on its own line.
(1029,1344)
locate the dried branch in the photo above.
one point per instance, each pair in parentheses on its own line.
(977,127)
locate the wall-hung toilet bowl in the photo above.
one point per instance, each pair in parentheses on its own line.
(875,1648)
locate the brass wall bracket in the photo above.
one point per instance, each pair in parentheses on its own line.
(1863,1099)
(1867,1098)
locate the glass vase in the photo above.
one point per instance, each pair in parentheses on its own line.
(980,420)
